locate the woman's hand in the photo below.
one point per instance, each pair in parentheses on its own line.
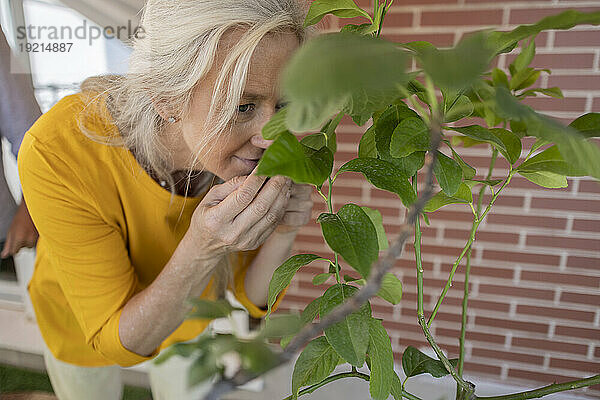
(240,214)
(298,210)
(22,232)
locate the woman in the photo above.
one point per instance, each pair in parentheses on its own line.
(118,255)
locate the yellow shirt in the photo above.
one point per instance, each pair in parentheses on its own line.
(106,229)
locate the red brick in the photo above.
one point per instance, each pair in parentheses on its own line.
(511,324)
(516,291)
(566,204)
(587,38)
(401,327)
(504,200)
(346,191)
(559,61)
(586,225)
(563,242)
(437,39)
(582,333)
(461,18)
(589,186)
(575,104)
(581,298)
(527,220)
(518,373)
(556,313)
(397,19)
(478,368)
(583,262)
(550,345)
(585,366)
(450,213)
(574,82)
(478,304)
(532,15)
(544,259)
(508,356)
(561,278)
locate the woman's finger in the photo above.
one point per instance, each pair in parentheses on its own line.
(262,204)
(241,196)
(260,230)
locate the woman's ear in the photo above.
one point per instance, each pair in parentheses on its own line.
(164,110)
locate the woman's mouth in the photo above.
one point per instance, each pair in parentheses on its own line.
(249,163)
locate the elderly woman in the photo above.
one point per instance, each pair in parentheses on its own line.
(142,189)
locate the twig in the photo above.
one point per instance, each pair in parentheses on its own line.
(370,289)
(546,390)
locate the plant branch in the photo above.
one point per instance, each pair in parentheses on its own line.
(370,289)
(330,379)
(465,301)
(546,390)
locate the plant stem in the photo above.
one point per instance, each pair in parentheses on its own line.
(418,260)
(330,207)
(467,387)
(465,301)
(466,248)
(333,378)
(546,390)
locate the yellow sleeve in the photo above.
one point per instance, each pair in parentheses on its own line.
(241,262)
(89,255)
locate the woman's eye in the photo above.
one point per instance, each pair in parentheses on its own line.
(244,108)
(280,106)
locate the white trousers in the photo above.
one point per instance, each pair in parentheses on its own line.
(168,381)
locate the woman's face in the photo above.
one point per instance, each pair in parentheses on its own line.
(261,99)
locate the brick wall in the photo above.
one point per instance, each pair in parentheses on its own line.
(535,287)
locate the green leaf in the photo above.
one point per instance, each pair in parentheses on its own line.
(348,336)
(329,132)
(338,70)
(448,173)
(499,78)
(410,135)
(461,108)
(552,92)
(549,160)
(511,142)
(280,325)
(276,125)
(448,68)
(524,78)
(545,179)
(363,103)
(583,155)
(465,141)
(410,164)
(366,147)
(283,275)
(307,316)
(384,175)
(391,289)
(524,58)
(482,134)
(386,124)
(518,128)
(503,42)
(315,140)
(204,308)
(362,29)
(288,157)
(315,363)
(201,370)
(382,361)
(396,389)
(257,356)
(468,171)
(415,363)
(351,233)
(462,195)
(377,221)
(320,279)
(339,8)
(588,125)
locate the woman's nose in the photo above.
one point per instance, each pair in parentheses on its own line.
(259,141)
